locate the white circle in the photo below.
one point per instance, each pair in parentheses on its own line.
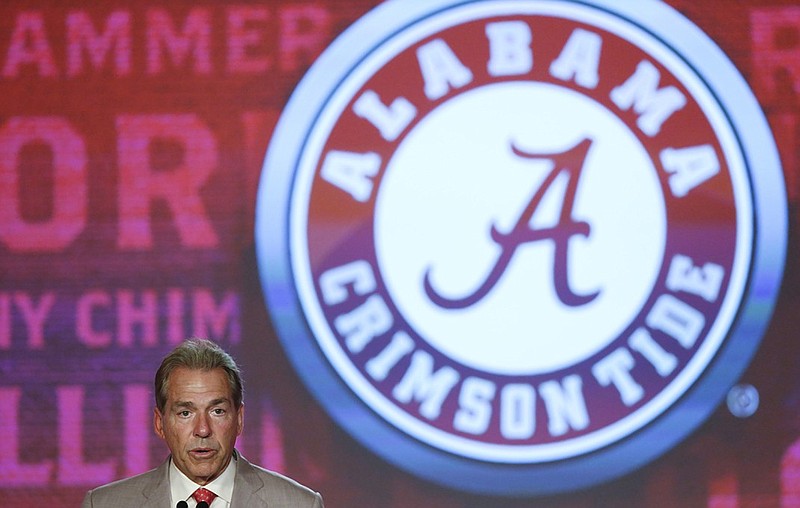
(313,345)
(743,400)
(455,176)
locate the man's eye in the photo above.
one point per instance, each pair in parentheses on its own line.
(184,413)
(218,411)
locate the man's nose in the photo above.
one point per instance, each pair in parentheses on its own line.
(201,426)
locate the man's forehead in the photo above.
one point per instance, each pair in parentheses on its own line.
(190,384)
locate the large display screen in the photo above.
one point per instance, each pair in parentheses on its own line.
(283,178)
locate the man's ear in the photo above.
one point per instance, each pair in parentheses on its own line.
(158,423)
(240,420)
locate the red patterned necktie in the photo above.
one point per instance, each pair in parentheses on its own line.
(202,494)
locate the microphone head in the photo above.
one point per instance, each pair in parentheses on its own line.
(182,504)
(202,504)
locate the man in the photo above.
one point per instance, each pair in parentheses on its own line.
(199,413)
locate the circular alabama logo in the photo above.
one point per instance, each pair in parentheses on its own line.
(521,247)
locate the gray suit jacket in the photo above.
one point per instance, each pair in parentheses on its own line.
(253,486)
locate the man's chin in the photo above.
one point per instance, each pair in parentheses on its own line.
(204,472)
(204,476)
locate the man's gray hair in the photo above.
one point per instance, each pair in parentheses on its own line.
(198,354)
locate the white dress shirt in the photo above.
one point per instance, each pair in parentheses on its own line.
(182,487)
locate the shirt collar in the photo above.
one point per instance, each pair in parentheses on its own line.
(182,487)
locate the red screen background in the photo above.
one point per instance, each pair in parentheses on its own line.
(131,144)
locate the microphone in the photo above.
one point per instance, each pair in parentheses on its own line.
(182,504)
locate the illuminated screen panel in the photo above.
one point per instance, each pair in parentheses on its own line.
(132,142)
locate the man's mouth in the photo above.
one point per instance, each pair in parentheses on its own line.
(202,453)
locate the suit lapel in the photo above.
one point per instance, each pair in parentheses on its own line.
(157,494)
(247,487)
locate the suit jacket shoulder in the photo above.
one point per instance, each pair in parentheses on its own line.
(256,486)
(147,490)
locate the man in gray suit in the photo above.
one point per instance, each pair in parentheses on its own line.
(199,414)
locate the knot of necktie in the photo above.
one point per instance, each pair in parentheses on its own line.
(202,495)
